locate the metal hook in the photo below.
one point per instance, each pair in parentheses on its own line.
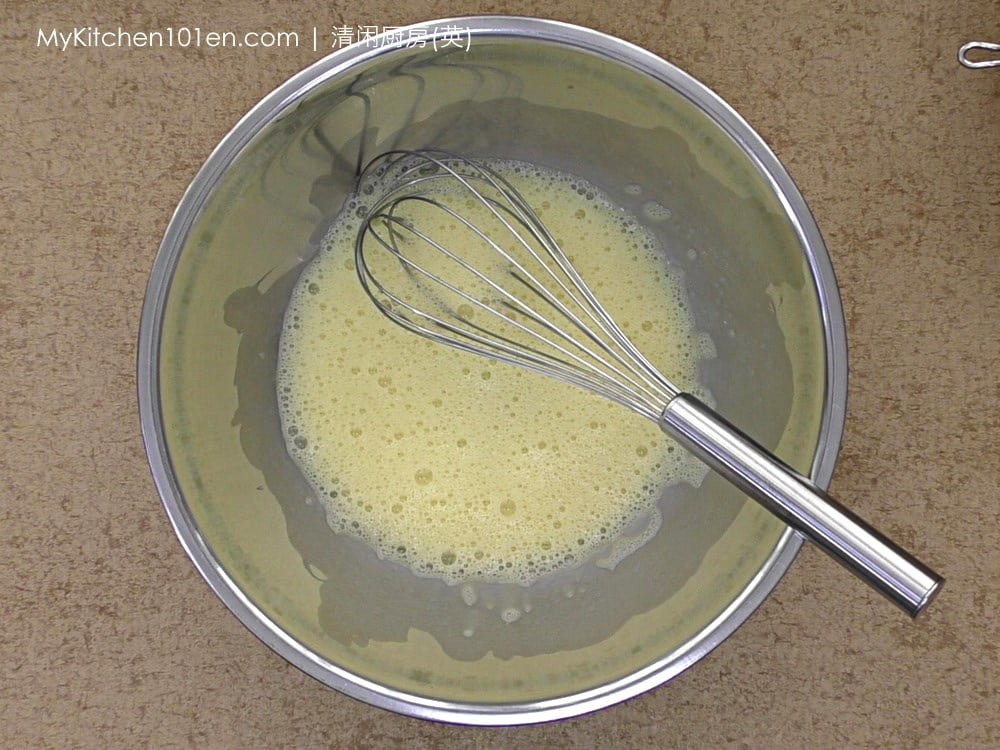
(965,49)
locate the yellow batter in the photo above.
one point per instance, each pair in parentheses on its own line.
(466,469)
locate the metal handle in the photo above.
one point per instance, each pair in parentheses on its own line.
(889,569)
(992,61)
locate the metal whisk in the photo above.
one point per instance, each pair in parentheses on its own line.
(510,293)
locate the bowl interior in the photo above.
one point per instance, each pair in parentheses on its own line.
(257,213)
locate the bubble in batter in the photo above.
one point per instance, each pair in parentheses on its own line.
(470,470)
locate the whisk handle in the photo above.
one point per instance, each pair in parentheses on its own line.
(875,559)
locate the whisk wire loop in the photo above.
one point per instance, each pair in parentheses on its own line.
(594,353)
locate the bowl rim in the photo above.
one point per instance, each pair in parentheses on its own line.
(194,199)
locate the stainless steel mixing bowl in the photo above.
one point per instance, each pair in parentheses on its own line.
(759,282)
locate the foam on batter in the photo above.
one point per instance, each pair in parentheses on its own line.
(471,470)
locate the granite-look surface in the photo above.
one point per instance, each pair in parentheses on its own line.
(108,637)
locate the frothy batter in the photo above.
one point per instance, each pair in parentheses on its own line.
(466,469)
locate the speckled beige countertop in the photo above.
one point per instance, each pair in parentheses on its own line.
(109,638)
